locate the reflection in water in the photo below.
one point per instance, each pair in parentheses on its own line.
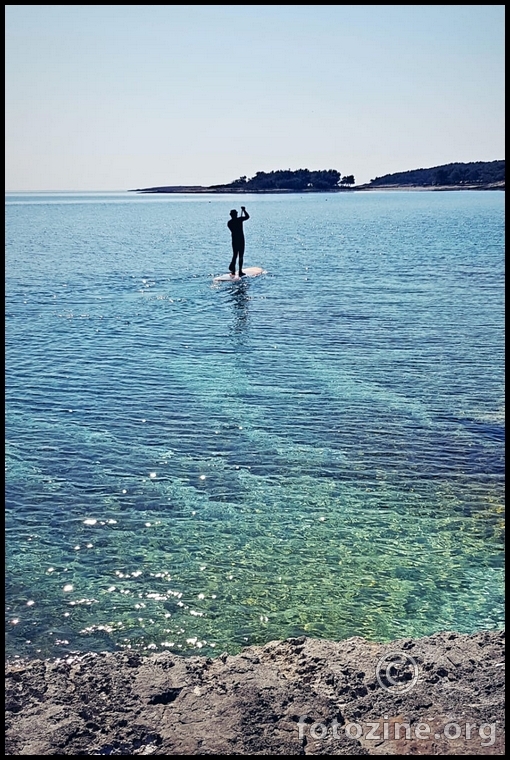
(239,298)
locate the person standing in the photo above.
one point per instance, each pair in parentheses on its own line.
(235,225)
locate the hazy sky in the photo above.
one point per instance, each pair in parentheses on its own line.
(117,97)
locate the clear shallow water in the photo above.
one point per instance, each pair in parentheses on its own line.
(319,450)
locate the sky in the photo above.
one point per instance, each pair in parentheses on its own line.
(120,97)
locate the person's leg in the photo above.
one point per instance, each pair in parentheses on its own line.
(232,267)
(241,257)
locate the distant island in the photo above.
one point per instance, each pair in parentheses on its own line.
(476,175)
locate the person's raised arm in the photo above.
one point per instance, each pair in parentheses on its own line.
(245,214)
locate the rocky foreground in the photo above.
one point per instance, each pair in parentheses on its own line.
(440,695)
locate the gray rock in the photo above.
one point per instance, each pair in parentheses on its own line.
(440,695)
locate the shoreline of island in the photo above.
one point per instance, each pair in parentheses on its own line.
(474,175)
(231,190)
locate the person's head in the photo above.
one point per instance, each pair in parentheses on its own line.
(233,213)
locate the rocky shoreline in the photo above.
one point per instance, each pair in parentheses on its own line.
(438,695)
(217,190)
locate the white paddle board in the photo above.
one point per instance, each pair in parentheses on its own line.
(248,271)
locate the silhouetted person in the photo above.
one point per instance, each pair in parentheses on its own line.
(235,225)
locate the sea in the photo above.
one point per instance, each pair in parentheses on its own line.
(199,467)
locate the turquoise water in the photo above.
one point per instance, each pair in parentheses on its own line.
(199,467)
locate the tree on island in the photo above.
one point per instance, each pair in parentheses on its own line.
(458,174)
(286,179)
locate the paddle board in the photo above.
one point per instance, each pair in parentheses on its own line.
(249,272)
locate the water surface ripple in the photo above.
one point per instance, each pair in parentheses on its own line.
(317,451)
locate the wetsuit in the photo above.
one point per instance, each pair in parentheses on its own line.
(235,226)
